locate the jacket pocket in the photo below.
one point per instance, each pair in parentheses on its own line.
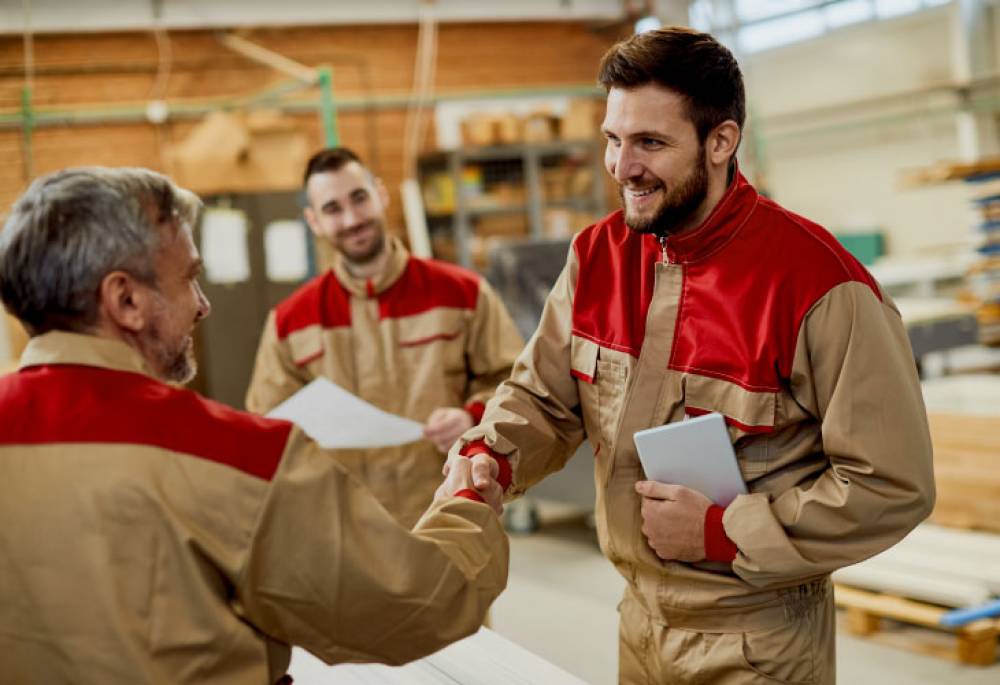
(601,384)
(306,345)
(749,414)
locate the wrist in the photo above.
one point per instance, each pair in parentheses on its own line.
(475,410)
(469,493)
(504,475)
(718,546)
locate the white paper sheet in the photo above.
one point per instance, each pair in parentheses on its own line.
(224,245)
(285,252)
(485,658)
(334,417)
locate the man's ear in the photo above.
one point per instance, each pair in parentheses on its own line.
(722,142)
(383,192)
(310,216)
(124,302)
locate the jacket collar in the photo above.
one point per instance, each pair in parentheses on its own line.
(394,268)
(63,347)
(718,228)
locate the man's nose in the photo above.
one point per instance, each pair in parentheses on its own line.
(627,165)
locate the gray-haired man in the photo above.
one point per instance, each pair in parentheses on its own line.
(151,535)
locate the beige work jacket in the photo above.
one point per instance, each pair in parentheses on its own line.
(759,315)
(424,335)
(152,536)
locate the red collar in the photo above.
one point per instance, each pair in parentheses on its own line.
(718,228)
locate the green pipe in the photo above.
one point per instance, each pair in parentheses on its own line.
(137,113)
(328,112)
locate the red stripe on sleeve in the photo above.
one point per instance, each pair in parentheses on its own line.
(476,410)
(718,546)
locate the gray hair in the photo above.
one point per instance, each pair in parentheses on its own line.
(73,227)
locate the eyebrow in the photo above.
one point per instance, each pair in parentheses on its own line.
(642,134)
(196,266)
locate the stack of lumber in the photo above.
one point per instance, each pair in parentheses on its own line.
(964,416)
(919,580)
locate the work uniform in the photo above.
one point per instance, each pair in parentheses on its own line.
(762,316)
(152,536)
(423,335)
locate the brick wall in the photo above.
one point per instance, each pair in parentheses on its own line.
(106,70)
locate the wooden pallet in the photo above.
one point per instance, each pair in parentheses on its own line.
(974,643)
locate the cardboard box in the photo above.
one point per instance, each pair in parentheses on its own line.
(239,152)
(479,130)
(582,120)
(541,127)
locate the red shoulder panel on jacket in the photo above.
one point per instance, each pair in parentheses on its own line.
(742,309)
(321,301)
(741,306)
(615,284)
(85,404)
(427,284)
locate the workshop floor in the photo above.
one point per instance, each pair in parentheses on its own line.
(561,604)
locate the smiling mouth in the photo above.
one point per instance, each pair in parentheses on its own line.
(638,194)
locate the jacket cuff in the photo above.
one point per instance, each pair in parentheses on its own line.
(718,546)
(475,410)
(505,475)
(469,493)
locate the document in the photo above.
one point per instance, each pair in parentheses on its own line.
(485,658)
(334,417)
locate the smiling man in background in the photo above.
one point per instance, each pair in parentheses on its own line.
(415,337)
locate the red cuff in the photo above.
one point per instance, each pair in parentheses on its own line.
(480,447)
(469,493)
(475,410)
(718,546)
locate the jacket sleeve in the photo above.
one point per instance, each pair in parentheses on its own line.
(533,419)
(330,570)
(492,345)
(275,376)
(854,372)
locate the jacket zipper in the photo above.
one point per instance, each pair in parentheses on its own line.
(663,247)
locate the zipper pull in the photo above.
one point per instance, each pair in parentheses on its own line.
(663,246)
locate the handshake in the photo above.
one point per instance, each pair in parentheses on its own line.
(477,473)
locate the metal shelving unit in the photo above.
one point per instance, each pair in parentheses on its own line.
(531,158)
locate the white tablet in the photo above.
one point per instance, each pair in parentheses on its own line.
(695,453)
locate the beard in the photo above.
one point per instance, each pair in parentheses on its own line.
(366,253)
(678,205)
(173,362)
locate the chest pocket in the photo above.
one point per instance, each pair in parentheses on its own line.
(306,345)
(435,339)
(750,418)
(601,385)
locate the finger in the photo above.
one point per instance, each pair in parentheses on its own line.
(655,490)
(481,473)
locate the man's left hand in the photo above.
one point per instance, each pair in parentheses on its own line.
(445,425)
(673,520)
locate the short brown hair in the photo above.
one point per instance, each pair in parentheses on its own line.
(688,62)
(329,159)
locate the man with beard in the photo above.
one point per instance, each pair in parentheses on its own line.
(702,296)
(415,337)
(153,536)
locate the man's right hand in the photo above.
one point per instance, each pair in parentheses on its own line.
(477,473)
